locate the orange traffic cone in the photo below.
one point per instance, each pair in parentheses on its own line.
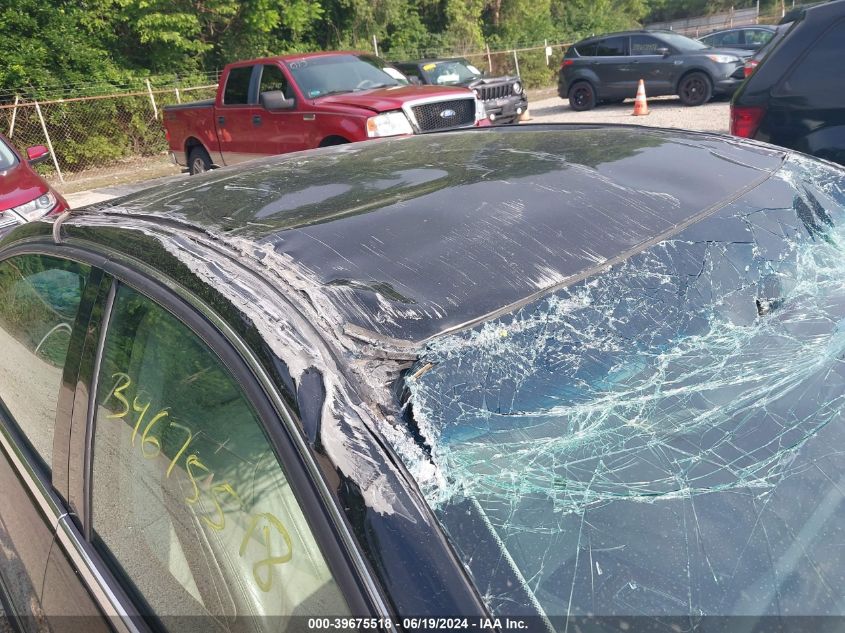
(640,104)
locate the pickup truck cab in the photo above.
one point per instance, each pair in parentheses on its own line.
(285,104)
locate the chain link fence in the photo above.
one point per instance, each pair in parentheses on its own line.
(108,138)
(98,140)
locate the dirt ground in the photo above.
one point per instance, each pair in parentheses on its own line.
(663,112)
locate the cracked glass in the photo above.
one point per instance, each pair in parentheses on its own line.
(663,438)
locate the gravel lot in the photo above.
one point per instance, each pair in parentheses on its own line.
(663,112)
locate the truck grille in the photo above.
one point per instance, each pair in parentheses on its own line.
(494,92)
(435,116)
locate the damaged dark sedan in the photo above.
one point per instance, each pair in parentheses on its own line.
(538,378)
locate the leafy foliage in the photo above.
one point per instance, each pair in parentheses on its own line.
(115,41)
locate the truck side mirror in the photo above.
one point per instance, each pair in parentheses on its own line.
(275,100)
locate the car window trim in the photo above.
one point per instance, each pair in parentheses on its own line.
(105,591)
(357,590)
(252,87)
(49,489)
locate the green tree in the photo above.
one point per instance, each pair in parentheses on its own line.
(51,44)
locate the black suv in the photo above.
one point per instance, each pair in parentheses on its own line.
(796,96)
(504,97)
(608,68)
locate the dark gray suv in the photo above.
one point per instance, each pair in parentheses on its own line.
(606,69)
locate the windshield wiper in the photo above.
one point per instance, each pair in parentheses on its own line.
(333,92)
(374,87)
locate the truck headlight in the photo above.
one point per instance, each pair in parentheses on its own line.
(37,208)
(480,111)
(723,59)
(517,88)
(388,124)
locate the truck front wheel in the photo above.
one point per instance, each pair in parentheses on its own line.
(198,161)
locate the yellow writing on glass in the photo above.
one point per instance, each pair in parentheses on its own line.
(122,384)
(269,524)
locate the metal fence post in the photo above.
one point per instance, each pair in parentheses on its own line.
(49,142)
(516,62)
(546,50)
(152,98)
(375,45)
(489,58)
(14,116)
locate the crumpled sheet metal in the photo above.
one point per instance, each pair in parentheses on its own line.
(664,438)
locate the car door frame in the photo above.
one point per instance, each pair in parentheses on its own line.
(289,130)
(49,491)
(612,71)
(655,69)
(235,122)
(361,592)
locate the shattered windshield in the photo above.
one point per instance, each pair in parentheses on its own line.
(664,438)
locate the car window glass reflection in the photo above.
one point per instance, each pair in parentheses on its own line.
(273,79)
(39,298)
(188,497)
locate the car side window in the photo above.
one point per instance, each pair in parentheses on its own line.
(237,86)
(757,37)
(586,50)
(272,78)
(819,77)
(412,73)
(612,47)
(644,45)
(39,299)
(731,38)
(189,502)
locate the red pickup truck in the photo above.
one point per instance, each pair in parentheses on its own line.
(284,104)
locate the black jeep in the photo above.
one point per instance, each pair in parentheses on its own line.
(504,97)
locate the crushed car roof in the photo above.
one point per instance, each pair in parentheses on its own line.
(411,237)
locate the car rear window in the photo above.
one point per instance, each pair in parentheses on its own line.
(663,439)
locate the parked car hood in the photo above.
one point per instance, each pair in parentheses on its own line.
(19,185)
(392,98)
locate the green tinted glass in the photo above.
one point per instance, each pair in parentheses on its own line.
(188,496)
(39,298)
